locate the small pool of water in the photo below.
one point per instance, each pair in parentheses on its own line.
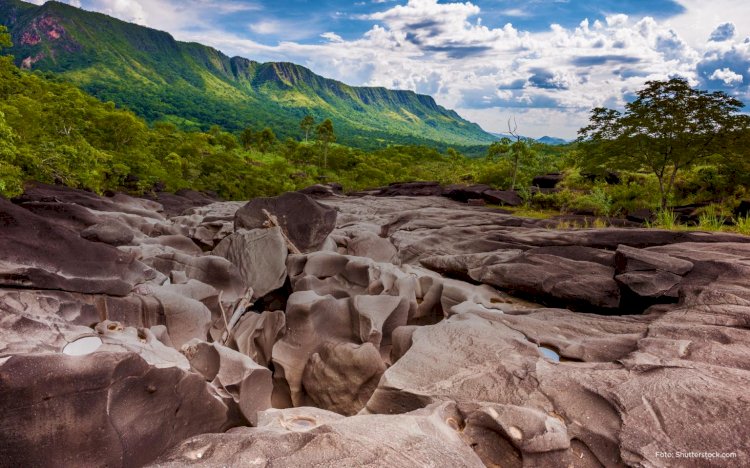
(83,346)
(549,354)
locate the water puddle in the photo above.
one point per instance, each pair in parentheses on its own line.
(549,354)
(83,346)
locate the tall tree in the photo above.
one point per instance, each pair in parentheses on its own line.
(266,138)
(247,137)
(307,125)
(325,136)
(668,128)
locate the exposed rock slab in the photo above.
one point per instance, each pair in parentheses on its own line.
(305,221)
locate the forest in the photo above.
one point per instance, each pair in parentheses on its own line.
(53,132)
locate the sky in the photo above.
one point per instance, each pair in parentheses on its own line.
(545,63)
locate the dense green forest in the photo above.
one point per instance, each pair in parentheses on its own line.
(194,86)
(53,132)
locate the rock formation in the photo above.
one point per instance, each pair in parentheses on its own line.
(411,330)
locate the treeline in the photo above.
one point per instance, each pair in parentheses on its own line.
(53,132)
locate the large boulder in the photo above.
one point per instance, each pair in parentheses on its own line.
(306,222)
(36,253)
(259,255)
(411,189)
(312,437)
(101,409)
(243,382)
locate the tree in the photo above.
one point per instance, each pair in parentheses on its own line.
(669,127)
(307,125)
(325,136)
(265,139)
(5,41)
(247,137)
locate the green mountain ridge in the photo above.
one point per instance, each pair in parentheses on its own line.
(196,86)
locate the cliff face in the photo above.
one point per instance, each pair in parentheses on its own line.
(158,77)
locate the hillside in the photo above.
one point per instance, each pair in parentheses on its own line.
(196,86)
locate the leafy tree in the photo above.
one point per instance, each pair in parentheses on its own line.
(266,138)
(307,125)
(513,155)
(669,127)
(247,138)
(325,136)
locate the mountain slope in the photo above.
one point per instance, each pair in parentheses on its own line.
(193,85)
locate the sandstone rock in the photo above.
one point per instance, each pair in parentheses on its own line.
(35,253)
(123,411)
(411,189)
(260,257)
(306,222)
(572,283)
(341,377)
(502,197)
(235,375)
(255,334)
(423,438)
(110,232)
(213,270)
(370,245)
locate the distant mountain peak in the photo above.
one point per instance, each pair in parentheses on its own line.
(194,85)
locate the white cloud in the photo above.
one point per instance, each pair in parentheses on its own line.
(727,76)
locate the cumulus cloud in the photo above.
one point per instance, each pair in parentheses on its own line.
(727,76)
(723,32)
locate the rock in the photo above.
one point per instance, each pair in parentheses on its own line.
(629,259)
(186,318)
(213,270)
(548,181)
(305,221)
(255,334)
(124,412)
(39,192)
(418,439)
(323,190)
(507,435)
(577,284)
(464,193)
(260,257)
(117,338)
(476,202)
(67,215)
(370,245)
(110,232)
(177,203)
(641,216)
(235,375)
(341,377)
(36,253)
(411,189)
(502,197)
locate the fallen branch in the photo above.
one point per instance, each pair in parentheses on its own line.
(239,310)
(273,221)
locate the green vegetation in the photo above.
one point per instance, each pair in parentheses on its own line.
(669,128)
(196,87)
(53,132)
(654,155)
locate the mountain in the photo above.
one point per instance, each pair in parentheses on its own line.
(195,86)
(552,141)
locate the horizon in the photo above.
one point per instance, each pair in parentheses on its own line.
(546,64)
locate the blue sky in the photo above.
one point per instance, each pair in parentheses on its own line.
(544,62)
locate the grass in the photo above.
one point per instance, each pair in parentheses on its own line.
(527,212)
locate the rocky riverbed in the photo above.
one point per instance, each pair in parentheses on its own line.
(377,330)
